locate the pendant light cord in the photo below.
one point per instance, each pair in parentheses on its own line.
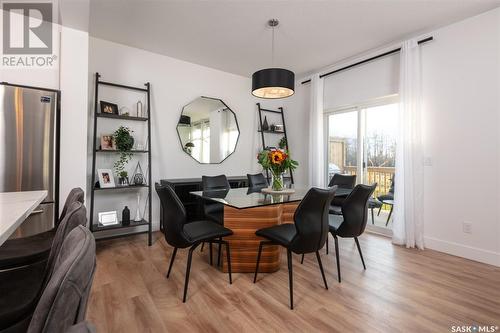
(272,49)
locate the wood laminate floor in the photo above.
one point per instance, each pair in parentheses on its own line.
(402,290)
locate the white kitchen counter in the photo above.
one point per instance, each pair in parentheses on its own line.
(15,207)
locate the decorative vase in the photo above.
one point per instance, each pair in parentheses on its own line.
(277,182)
(126,216)
(265,125)
(138,212)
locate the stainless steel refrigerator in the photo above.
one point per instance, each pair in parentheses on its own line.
(29,153)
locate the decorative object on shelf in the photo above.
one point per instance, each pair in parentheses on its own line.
(106,179)
(107,142)
(283,143)
(273,82)
(276,161)
(265,125)
(138,175)
(124,143)
(214,124)
(110,108)
(138,211)
(108,218)
(123,178)
(273,128)
(139,109)
(124,111)
(125,216)
(278,128)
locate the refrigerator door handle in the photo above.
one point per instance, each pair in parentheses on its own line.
(40,211)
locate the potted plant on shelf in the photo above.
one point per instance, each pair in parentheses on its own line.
(124,143)
(276,161)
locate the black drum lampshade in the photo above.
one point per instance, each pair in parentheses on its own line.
(273,83)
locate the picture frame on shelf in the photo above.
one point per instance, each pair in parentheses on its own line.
(108,218)
(108,142)
(109,108)
(106,179)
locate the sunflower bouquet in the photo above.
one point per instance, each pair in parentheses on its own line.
(276,161)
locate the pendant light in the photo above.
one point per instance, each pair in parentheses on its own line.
(273,83)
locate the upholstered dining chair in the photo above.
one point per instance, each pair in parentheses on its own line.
(181,235)
(256,181)
(307,234)
(341,181)
(63,302)
(21,287)
(214,211)
(27,250)
(352,222)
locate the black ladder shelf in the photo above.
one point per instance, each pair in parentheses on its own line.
(129,229)
(262,132)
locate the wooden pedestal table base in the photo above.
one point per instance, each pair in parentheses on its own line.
(244,244)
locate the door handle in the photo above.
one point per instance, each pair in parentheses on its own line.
(40,211)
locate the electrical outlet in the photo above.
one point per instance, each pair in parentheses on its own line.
(467,227)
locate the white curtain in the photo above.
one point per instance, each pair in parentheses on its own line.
(316,141)
(408,196)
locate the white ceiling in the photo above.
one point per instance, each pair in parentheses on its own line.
(232,35)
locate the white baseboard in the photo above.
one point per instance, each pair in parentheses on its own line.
(464,251)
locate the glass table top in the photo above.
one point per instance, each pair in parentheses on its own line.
(246,198)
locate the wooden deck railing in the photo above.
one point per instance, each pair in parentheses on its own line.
(381,175)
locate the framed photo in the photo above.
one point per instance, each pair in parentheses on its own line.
(107,142)
(106,179)
(108,218)
(109,108)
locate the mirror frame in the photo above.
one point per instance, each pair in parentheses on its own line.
(235,119)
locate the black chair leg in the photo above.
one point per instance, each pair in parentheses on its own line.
(220,250)
(373,219)
(379,209)
(321,269)
(210,253)
(290,276)
(258,260)
(359,250)
(337,256)
(171,262)
(302,260)
(228,254)
(327,244)
(389,217)
(188,269)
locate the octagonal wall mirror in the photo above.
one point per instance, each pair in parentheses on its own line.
(208,130)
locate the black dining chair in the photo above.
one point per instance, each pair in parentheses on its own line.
(21,288)
(23,251)
(307,234)
(352,222)
(387,199)
(214,211)
(257,181)
(181,235)
(341,181)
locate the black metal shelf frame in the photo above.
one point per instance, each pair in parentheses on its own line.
(281,112)
(94,227)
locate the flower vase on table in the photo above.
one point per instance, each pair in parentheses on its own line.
(276,161)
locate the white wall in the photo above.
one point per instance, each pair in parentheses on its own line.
(461,85)
(176,83)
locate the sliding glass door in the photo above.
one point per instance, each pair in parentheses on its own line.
(361,140)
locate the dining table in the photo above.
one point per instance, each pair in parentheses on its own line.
(15,207)
(245,211)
